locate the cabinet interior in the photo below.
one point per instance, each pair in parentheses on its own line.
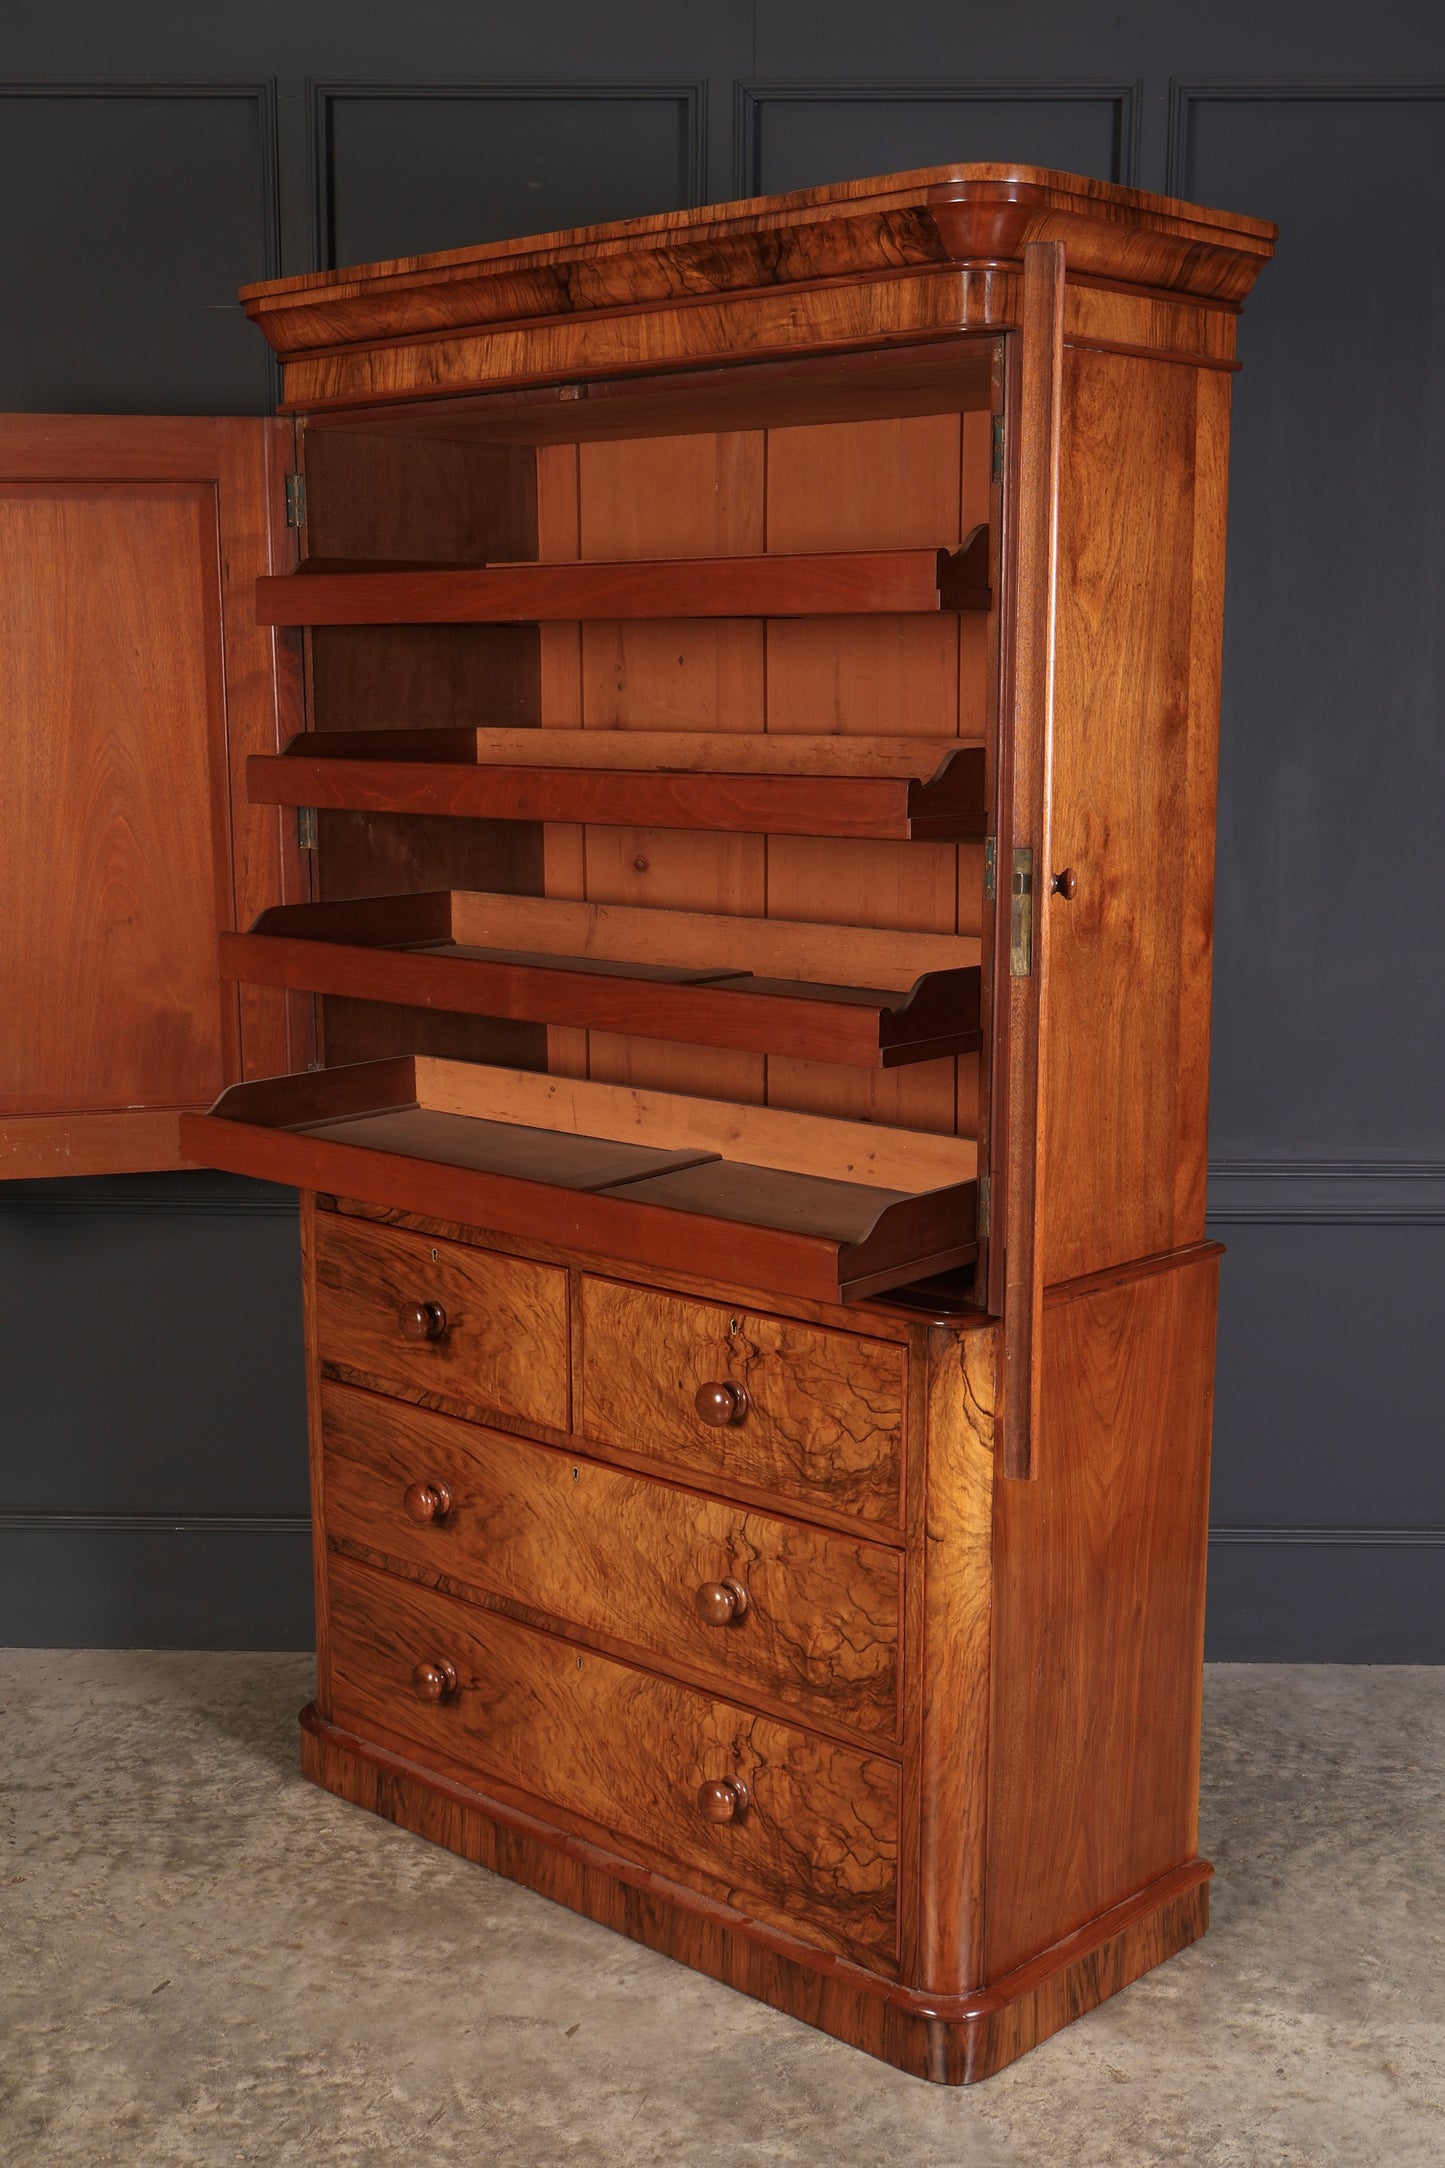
(627,912)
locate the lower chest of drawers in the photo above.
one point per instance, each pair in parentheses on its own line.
(573,1611)
(794,1828)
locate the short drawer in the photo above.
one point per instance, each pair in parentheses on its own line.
(714,1590)
(810,1415)
(786,1826)
(474,1327)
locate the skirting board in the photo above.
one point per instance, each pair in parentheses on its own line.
(160,1581)
(1326,1596)
(146,1582)
(952,2040)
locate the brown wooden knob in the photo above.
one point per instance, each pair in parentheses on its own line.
(721,1403)
(423,1320)
(427,1501)
(434,1681)
(1066,884)
(720,1602)
(722,1800)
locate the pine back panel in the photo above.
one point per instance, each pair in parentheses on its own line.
(920,480)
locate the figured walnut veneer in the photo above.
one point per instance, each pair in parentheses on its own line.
(723,813)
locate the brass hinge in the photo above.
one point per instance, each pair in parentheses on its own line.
(296,500)
(306,827)
(1021,917)
(998,447)
(990,868)
(985,1184)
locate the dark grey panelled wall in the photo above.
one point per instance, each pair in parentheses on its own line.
(153,158)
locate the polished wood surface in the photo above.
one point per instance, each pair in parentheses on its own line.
(809,1416)
(852,1152)
(760,687)
(799,1202)
(623,1750)
(1098,1622)
(736,751)
(735,1599)
(816,585)
(696,942)
(851,265)
(1141,522)
(949,2040)
(954,1594)
(493,1330)
(310,1218)
(134,691)
(948,807)
(1025,845)
(1005,201)
(388,950)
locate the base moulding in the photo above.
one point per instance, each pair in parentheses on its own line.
(947,2039)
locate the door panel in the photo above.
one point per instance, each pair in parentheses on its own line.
(133,683)
(1106,824)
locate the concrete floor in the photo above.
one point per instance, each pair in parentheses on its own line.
(203,1960)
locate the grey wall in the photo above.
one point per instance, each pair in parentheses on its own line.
(154,157)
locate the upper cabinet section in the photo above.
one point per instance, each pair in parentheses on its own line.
(851,267)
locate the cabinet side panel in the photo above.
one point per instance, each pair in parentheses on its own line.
(947,1680)
(320,1516)
(1141,550)
(1098,1619)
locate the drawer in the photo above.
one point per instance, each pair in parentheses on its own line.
(810,1839)
(803,1615)
(819,1417)
(483,1330)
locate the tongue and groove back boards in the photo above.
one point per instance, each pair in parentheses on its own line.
(920,481)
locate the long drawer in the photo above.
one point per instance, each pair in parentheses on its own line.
(790,1827)
(718,1591)
(469,1325)
(724,1394)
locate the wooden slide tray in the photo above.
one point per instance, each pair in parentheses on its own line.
(846,994)
(833,584)
(737,782)
(794,1203)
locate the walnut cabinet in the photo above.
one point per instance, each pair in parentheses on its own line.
(672,795)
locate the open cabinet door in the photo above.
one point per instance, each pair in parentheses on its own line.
(1104,937)
(134,683)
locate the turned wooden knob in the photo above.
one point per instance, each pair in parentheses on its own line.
(427,1501)
(722,1800)
(1066,884)
(434,1681)
(721,1403)
(720,1602)
(423,1320)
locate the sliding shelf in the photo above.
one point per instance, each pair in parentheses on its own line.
(328,592)
(792,1203)
(743,782)
(844,994)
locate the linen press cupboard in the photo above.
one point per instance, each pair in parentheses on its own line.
(696,859)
